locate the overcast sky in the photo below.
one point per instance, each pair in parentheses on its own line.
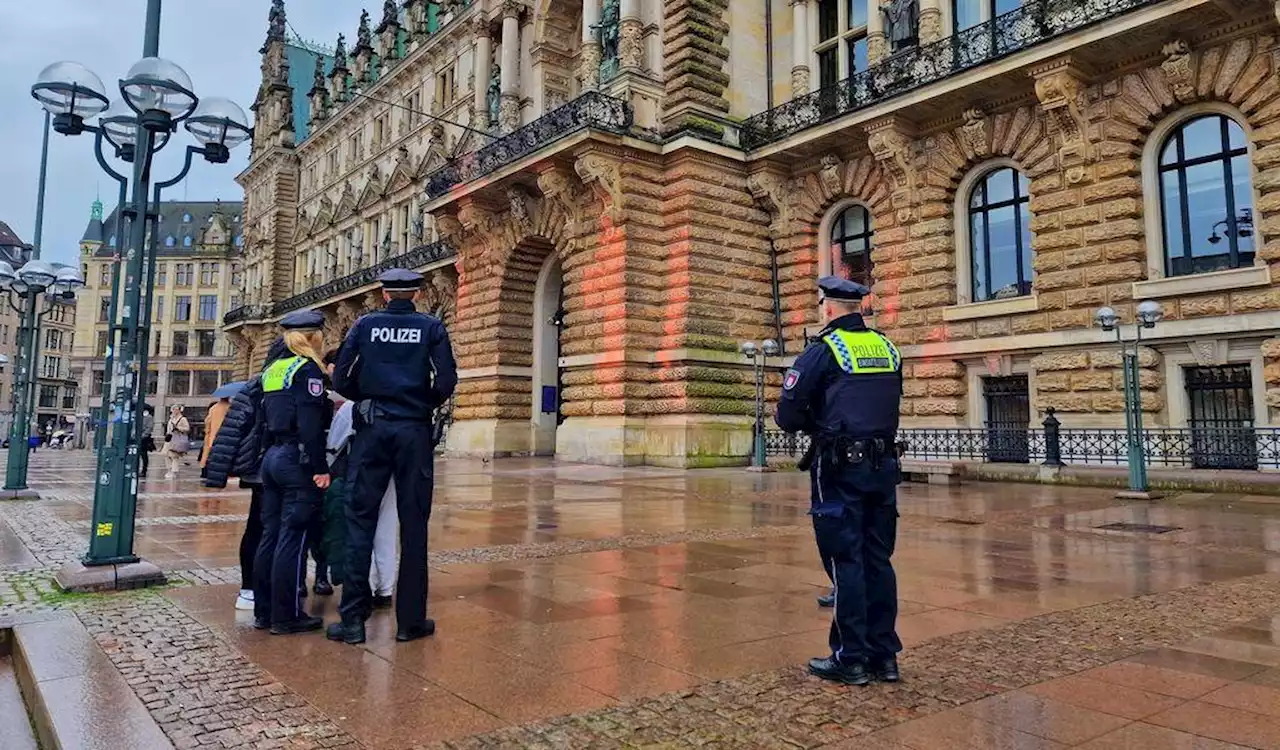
(216,43)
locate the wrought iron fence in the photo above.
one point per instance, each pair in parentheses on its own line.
(1169,447)
(591,110)
(419,256)
(1032,23)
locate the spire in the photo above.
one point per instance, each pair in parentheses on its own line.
(95,211)
(364,39)
(93,234)
(317,81)
(390,15)
(340,54)
(276,23)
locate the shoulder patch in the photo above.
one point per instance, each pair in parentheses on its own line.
(315,386)
(790,379)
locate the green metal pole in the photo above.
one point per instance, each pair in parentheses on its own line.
(115,496)
(759,428)
(44,174)
(100,433)
(1139,446)
(15,473)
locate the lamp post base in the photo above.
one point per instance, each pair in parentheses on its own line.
(80,578)
(1137,495)
(26,493)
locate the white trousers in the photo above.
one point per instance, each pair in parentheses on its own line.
(385,564)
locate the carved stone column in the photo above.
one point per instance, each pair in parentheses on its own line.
(509,110)
(930,21)
(483,57)
(630,36)
(589,61)
(800,52)
(877,45)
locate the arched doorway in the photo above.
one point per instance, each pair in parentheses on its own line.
(548,320)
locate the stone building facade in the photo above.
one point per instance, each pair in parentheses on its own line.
(199,278)
(656,183)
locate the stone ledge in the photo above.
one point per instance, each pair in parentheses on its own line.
(991,308)
(1217,281)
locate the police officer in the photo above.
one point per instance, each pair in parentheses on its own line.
(397,365)
(295,415)
(845,391)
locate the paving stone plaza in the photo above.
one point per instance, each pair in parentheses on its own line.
(592,607)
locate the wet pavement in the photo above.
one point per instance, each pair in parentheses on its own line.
(585,606)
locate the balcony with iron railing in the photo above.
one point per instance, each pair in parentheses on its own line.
(420,256)
(1028,27)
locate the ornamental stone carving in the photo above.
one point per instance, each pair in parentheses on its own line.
(604,176)
(562,189)
(1179,69)
(830,174)
(521,209)
(589,67)
(890,142)
(631,44)
(930,25)
(975,133)
(509,113)
(1058,87)
(799,80)
(771,191)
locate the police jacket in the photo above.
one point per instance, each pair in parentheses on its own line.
(398,358)
(237,448)
(848,383)
(296,409)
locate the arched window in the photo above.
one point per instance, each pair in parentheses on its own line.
(851,239)
(186,218)
(1206,197)
(1000,235)
(186,241)
(168,241)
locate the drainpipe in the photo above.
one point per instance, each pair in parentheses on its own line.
(768,65)
(777,298)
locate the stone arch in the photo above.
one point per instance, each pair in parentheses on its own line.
(961,217)
(557,51)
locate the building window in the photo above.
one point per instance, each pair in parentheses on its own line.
(444,88)
(112,242)
(162,274)
(208,307)
(104,310)
(104,274)
(1206,197)
(966,14)
(69,398)
(48,396)
(179,382)
(53,339)
(159,309)
(842,40)
(98,384)
(208,274)
(851,242)
(380,129)
(184,273)
(1000,235)
(169,241)
(51,367)
(182,309)
(205,341)
(153,382)
(186,241)
(180,340)
(237,275)
(186,218)
(413,107)
(206,382)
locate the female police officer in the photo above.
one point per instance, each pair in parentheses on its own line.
(294,474)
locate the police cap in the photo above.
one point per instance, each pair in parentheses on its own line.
(399,279)
(303,320)
(834,287)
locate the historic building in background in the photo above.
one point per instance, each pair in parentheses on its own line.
(198,279)
(609,196)
(15,252)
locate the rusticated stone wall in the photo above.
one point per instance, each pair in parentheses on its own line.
(1079,381)
(694,57)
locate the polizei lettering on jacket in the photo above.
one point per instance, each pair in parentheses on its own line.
(396,335)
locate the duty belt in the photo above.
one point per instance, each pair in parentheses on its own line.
(849,451)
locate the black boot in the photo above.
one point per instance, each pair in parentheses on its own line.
(300,625)
(850,674)
(428,627)
(829,600)
(347,632)
(887,670)
(381,602)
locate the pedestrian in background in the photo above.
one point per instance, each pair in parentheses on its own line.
(148,438)
(845,391)
(177,440)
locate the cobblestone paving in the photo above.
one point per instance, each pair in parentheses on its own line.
(790,709)
(199,689)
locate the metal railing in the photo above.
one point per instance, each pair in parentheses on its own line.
(419,256)
(1239,448)
(591,110)
(1035,22)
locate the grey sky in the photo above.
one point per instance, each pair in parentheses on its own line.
(216,43)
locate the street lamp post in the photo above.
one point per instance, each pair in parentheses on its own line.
(158,96)
(1149,313)
(758,354)
(25,289)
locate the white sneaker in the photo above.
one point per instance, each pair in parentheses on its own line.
(245,600)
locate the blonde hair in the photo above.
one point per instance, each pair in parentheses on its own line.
(307,344)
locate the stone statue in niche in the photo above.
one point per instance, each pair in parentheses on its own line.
(493,98)
(901,23)
(608,30)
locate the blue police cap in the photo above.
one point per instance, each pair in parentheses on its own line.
(303,320)
(834,287)
(399,279)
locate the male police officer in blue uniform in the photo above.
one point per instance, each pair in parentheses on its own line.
(845,391)
(397,365)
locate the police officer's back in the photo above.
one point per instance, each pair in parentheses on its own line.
(397,365)
(845,390)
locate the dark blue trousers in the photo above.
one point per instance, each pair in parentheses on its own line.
(290,499)
(385,450)
(855,521)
